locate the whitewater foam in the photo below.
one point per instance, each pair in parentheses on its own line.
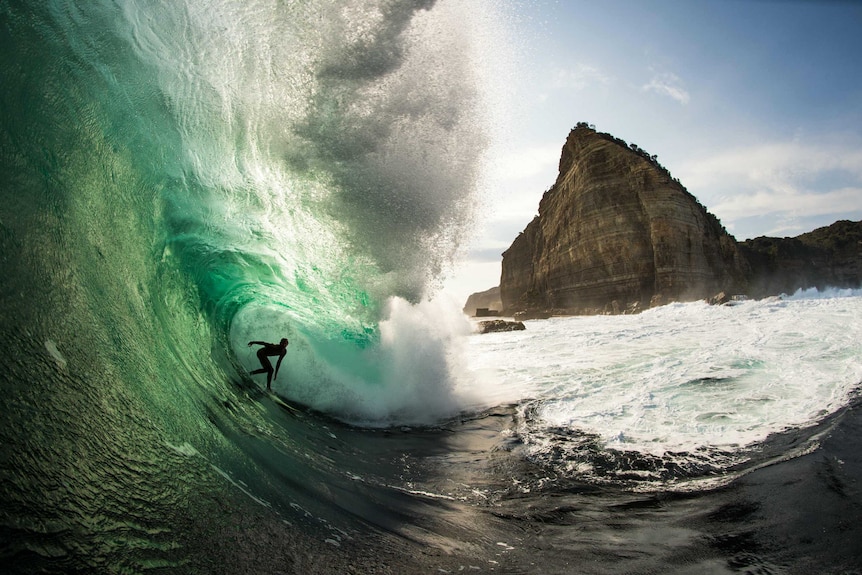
(683,377)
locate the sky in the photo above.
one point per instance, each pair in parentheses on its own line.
(754,105)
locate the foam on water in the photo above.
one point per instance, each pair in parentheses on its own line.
(683,377)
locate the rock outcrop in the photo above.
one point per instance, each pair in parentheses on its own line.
(617,234)
(616,231)
(488,299)
(496,325)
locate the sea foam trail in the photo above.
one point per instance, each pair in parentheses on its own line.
(684,376)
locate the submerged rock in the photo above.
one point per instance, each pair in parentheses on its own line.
(720,298)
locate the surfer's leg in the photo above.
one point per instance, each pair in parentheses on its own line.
(265,364)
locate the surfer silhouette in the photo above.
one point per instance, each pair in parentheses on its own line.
(264,353)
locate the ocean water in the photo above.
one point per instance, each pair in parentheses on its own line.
(178,179)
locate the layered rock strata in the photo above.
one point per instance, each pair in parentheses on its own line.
(616,228)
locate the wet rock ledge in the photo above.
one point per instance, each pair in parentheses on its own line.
(495,325)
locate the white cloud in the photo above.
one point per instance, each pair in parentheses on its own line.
(579,77)
(528,162)
(767,161)
(784,202)
(668,84)
(779,182)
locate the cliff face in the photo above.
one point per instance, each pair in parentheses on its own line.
(616,227)
(488,299)
(827,257)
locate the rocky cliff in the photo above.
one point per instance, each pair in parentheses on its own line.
(826,257)
(616,230)
(488,299)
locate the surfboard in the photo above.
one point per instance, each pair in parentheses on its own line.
(282,402)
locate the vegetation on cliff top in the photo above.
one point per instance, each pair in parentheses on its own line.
(839,236)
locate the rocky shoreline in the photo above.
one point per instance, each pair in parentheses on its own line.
(613,308)
(496,325)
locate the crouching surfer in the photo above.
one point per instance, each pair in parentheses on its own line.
(264,353)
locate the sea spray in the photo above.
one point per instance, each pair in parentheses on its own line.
(376,136)
(329,162)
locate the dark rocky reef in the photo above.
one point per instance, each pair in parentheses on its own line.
(495,325)
(617,234)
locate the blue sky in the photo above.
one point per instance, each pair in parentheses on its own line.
(755,105)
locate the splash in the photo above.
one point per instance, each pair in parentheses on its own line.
(682,388)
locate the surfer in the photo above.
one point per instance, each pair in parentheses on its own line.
(264,353)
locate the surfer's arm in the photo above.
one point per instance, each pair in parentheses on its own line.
(277,365)
(251,343)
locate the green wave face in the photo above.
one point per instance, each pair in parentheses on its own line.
(233,171)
